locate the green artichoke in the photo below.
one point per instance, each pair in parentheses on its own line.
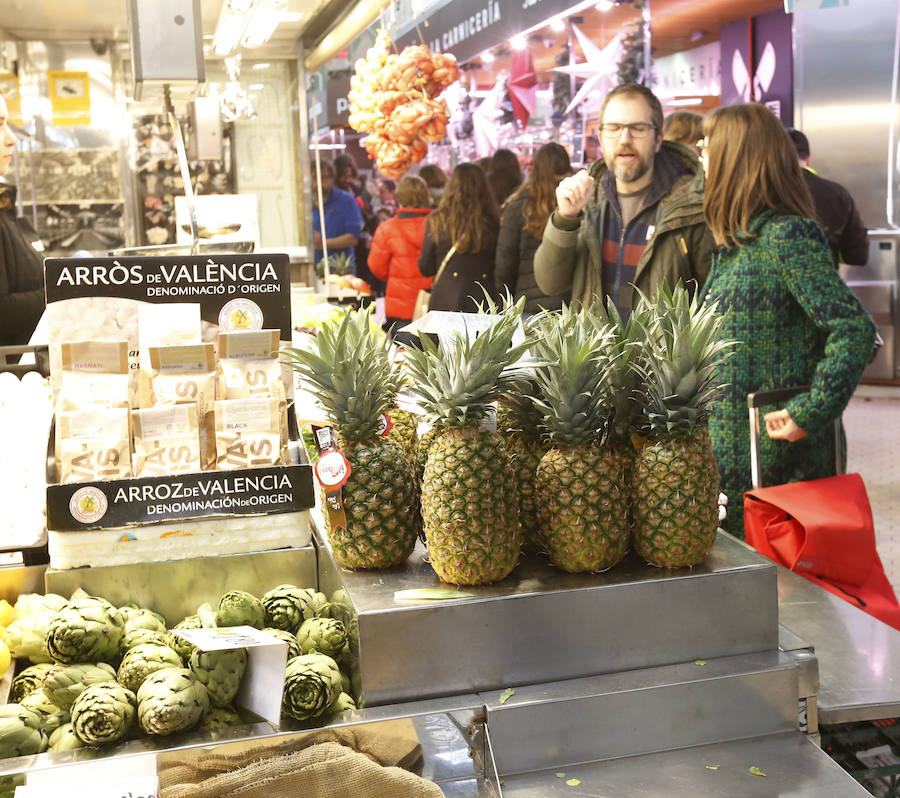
(219,718)
(52,716)
(312,683)
(25,637)
(136,636)
(346,684)
(87,629)
(207,616)
(316,600)
(179,644)
(239,608)
(294,649)
(144,659)
(65,739)
(343,702)
(171,700)
(286,607)
(29,680)
(103,713)
(21,731)
(332,609)
(221,672)
(35,604)
(142,618)
(325,635)
(63,683)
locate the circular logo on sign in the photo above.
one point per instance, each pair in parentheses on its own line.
(332,469)
(88,505)
(385,425)
(239,315)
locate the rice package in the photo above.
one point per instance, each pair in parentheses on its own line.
(93,373)
(248,433)
(249,366)
(166,440)
(93,444)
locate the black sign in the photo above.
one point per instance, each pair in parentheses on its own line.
(467,29)
(208,494)
(234,291)
(338,87)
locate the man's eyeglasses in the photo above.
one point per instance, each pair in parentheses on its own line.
(638,130)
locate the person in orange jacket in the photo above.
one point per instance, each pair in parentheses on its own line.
(395,252)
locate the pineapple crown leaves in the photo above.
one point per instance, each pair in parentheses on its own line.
(349,371)
(680,356)
(456,382)
(574,396)
(517,411)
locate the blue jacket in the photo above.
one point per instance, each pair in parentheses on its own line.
(342,215)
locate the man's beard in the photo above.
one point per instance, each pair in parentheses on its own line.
(629,172)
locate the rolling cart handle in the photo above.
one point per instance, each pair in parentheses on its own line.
(777,396)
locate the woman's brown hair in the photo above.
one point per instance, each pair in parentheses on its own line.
(751,166)
(467,212)
(685,127)
(551,164)
(411,192)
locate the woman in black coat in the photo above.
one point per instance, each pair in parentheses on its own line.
(524,219)
(466,219)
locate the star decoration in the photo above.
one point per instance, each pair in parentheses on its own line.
(599,69)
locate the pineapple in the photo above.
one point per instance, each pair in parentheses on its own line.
(349,370)
(469,502)
(582,493)
(403,432)
(676,480)
(518,422)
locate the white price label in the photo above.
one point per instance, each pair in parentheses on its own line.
(144,787)
(225,637)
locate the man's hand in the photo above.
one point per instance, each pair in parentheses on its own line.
(317,240)
(780,426)
(573,193)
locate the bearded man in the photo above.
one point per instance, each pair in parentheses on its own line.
(634,218)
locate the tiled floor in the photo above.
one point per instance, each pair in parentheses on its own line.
(872,422)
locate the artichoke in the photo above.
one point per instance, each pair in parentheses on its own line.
(207,616)
(136,636)
(332,609)
(219,718)
(221,672)
(325,635)
(142,618)
(29,680)
(294,649)
(87,629)
(316,600)
(21,731)
(286,607)
(25,637)
(171,700)
(179,644)
(63,683)
(343,702)
(103,713)
(239,608)
(52,716)
(36,604)
(144,659)
(312,683)
(65,739)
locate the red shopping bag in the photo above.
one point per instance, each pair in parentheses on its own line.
(822,529)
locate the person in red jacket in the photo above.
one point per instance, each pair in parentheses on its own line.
(395,252)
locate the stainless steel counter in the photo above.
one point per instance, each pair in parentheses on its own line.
(858,656)
(793,768)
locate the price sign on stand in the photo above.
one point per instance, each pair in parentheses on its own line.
(266,661)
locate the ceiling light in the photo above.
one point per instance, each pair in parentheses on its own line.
(604,5)
(249,23)
(518,43)
(557,25)
(685,101)
(261,65)
(265,18)
(487,58)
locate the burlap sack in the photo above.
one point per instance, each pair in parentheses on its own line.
(324,770)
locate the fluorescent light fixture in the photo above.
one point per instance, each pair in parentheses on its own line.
(518,43)
(249,23)
(291,16)
(256,87)
(558,25)
(230,27)
(604,5)
(263,22)
(685,101)
(487,57)
(261,65)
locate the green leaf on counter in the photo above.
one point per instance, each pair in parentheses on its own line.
(431,594)
(573,782)
(712,767)
(506,695)
(757,772)
(699,662)
(560,775)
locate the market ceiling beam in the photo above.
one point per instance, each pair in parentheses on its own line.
(343,30)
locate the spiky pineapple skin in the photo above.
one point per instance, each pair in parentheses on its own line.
(403,432)
(675,500)
(379,501)
(525,453)
(583,502)
(470,507)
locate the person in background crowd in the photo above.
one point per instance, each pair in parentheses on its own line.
(591,149)
(384,203)
(835,210)
(524,218)
(21,265)
(685,127)
(395,252)
(773,280)
(347,179)
(636,218)
(461,237)
(484,163)
(504,175)
(343,220)
(435,178)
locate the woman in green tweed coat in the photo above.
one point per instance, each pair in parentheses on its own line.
(774,280)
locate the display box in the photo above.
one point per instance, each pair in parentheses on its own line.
(101,299)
